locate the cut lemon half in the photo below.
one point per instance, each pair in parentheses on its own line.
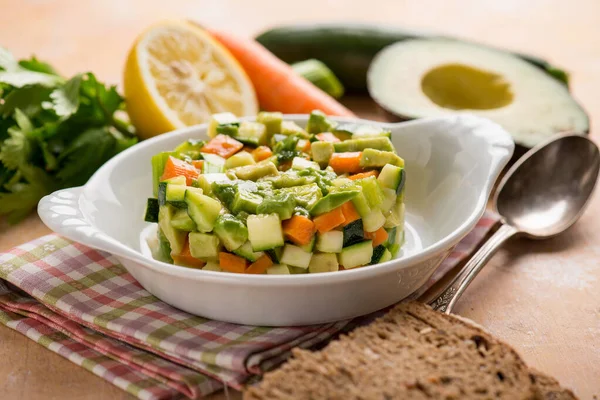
(177,75)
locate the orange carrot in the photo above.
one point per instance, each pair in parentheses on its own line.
(232,263)
(350,213)
(186,258)
(260,266)
(198,164)
(222,145)
(378,237)
(261,153)
(298,229)
(330,220)
(327,137)
(278,87)
(176,167)
(363,175)
(346,162)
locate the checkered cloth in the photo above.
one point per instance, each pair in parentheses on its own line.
(82,304)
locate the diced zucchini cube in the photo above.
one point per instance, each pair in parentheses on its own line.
(205,181)
(295,256)
(221,119)
(271,120)
(278,269)
(300,163)
(264,231)
(204,245)
(323,262)
(253,132)
(212,266)
(356,255)
(330,242)
(202,209)
(373,221)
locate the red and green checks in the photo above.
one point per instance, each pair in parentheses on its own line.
(83,305)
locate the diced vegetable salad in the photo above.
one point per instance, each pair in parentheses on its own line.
(277,198)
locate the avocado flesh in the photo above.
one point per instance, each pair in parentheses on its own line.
(433,78)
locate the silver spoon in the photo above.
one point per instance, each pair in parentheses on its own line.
(540,196)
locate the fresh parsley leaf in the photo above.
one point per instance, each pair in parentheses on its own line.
(24,196)
(33,64)
(15,150)
(23,121)
(25,78)
(7,61)
(65,98)
(85,155)
(28,99)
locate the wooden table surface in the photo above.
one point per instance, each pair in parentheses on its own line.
(542,297)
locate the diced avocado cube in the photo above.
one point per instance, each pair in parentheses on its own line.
(302,163)
(176,180)
(212,163)
(246,201)
(295,256)
(362,131)
(204,245)
(372,158)
(182,221)
(246,251)
(291,178)
(231,231)
(306,195)
(356,255)
(378,143)
(330,242)
(321,152)
(202,209)
(373,221)
(175,237)
(221,119)
(296,270)
(205,181)
(361,204)
(372,191)
(271,120)
(264,232)
(282,203)
(239,160)
(278,269)
(253,133)
(255,172)
(291,128)
(332,200)
(318,123)
(190,146)
(212,266)
(323,262)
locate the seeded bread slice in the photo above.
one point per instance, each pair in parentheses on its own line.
(412,352)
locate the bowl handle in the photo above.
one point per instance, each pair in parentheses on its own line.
(60,211)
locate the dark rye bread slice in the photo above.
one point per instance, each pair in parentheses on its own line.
(412,352)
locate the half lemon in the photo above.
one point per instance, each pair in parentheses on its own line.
(177,75)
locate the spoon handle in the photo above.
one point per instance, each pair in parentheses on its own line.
(447,299)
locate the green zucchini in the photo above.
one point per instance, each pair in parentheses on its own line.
(347,48)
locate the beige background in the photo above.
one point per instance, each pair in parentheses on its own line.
(542,297)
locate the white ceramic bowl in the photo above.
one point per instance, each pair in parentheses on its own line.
(451,164)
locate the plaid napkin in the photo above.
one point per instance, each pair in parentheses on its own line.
(82,304)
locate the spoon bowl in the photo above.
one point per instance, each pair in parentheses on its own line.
(546,191)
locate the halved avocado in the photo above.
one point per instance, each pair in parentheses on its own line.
(429,78)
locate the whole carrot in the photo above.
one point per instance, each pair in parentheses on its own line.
(278,87)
